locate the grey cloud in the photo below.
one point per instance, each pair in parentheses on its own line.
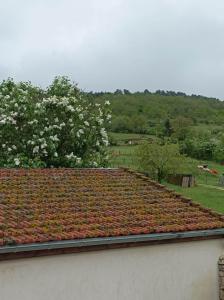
(104,45)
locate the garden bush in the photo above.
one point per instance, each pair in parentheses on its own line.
(52,127)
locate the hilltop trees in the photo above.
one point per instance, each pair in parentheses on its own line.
(52,127)
(158,106)
(126,92)
(118,92)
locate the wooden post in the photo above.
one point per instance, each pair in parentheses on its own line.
(221,180)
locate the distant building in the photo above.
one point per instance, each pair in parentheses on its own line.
(184,180)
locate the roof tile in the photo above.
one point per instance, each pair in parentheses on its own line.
(41,205)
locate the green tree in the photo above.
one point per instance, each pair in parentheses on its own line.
(160,160)
(122,124)
(168,129)
(118,92)
(140,124)
(181,127)
(126,92)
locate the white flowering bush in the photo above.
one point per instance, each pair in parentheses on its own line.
(56,127)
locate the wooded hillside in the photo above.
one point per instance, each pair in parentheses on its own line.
(141,112)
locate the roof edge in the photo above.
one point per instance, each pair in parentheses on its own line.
(183,198)
(82,243)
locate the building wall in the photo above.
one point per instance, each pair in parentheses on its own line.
(181,271)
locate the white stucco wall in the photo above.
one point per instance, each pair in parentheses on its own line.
(181,271)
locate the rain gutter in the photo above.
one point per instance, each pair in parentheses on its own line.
(134,239)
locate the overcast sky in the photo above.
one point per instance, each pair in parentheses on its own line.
(110,44)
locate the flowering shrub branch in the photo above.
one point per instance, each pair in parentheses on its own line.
(55,127)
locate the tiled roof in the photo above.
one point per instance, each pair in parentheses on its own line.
(40,205)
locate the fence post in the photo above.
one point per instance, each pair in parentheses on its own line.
(221,277)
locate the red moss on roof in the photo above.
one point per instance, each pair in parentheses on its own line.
(42,205)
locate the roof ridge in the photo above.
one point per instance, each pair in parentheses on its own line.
(183,198)
(59,168)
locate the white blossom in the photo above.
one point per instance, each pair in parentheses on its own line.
(36,149)
(37,125)
(81,131)
(17,161)
(78,159)
(99,120)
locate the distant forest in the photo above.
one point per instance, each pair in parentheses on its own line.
(146,112)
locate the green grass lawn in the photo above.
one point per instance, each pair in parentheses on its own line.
(208,197)
(210,179)
(128,136)
(125,156)
(122,139)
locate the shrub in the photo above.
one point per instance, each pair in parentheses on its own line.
(56,127)
(160,160)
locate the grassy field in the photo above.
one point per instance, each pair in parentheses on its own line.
(123,156)
(207,191)
(208,197)
(122,139)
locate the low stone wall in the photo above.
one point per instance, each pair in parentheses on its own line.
(221,277)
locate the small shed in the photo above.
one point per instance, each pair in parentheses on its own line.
(184,180)
(221,180)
